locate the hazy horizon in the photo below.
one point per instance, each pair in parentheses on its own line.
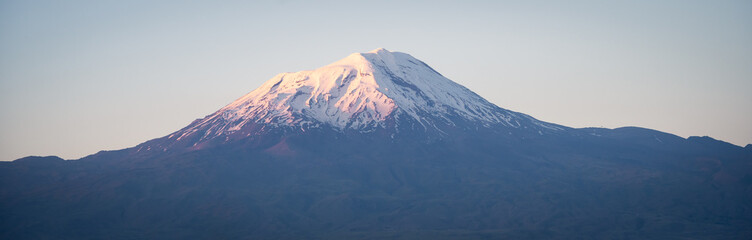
(84,76)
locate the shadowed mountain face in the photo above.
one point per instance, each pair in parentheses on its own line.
(380,146)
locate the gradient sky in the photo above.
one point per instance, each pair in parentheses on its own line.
(77,77)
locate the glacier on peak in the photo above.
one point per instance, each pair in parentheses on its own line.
(360,91)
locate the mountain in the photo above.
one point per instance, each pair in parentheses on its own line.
(379,145)
(390,93)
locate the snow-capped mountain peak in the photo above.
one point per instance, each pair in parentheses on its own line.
(361,91)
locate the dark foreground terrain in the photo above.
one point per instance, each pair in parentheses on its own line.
(626,183)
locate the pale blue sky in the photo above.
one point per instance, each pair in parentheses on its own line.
(77,77)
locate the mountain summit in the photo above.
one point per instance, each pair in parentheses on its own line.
(365,92)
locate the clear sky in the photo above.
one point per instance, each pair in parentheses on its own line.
(77,77)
